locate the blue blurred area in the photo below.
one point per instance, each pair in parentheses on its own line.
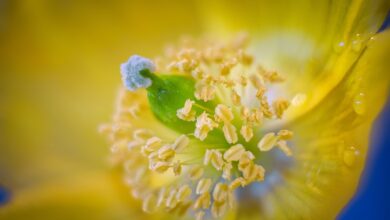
(371,202)
(4,196)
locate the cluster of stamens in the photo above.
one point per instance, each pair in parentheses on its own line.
(222,73)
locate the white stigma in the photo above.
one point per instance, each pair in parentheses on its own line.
(130,72)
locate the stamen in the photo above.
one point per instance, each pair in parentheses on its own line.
(186,113)
(203,186)
(267,142)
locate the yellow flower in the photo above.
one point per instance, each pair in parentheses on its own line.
(298,157)
(302,142)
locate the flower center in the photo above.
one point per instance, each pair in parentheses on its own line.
(203,132)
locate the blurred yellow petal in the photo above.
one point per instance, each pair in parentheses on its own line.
(90,195)
(313,43)
(332,142)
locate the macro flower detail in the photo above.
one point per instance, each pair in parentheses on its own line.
(130,71)
(201,123)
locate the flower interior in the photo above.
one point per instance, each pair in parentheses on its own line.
(198,128)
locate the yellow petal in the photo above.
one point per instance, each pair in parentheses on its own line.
(331,143)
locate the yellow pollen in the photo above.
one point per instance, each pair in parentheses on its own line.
(234,153)
(280,106)
(204,92)
(203,201)
(236,99)
(203,186)
(186,113)
(183,193)
(230,133)
(223,113)
(247,132)
(152,144)
(181,143)
(199,215)
(203,126)
(239,181)
(196,172)
(267,142)
(220,192)
(285,134)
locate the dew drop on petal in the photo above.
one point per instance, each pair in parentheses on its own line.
(349,156)
(339,46)
(359,104)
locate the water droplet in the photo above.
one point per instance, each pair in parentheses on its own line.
(371,40)
(349,156)
(357,45)
(359,104)
(339,46)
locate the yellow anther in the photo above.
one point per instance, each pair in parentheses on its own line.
(215,157)
(196,172)
(285,134)
(142,134)
(244,161)
(236,99)
(220,192)
(245,58)
(253,172)
(256,116)
(239,181)
(247,132)
(181,143)
(152,144)
(186,113)
(226,171)
(166,153)
(228,83)
(218,209)
(204,92)
(225,69)
(203,186)
(177,167)
(234,153)
(267,142)
(245,113)
(162,196)
(260,92)
(149,203)
(197,73)
(161,166)
(203,126)
(203,201)
(284,147)
(265,108)
(257,81)
(183,193)
(230,133)
(280,106)
(243,81)
(171,200)
(223,113)
(272,76)
(199,215)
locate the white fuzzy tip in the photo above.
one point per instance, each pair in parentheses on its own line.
(130,72)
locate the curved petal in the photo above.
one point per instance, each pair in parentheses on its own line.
(90,196)
(332,141)
(312,43)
